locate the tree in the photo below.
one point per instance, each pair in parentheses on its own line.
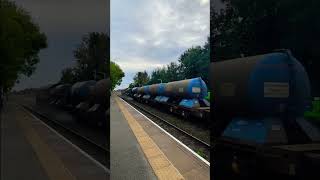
(116,75)
(195,63)
(251,27)
(92,55)
(173,72)
(92,58)
(68,76)
(158,75)
(131,85)
(20,43)
(141,78)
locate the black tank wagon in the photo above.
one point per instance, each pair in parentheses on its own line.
(87,100)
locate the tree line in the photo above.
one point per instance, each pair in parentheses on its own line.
(194,62)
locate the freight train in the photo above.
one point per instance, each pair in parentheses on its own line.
(87,100)
(258,126)
(185,97)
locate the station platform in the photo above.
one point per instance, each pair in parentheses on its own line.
(141,147)
(32,150)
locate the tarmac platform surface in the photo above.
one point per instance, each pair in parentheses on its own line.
(127,160)
(32,150)
(145,148)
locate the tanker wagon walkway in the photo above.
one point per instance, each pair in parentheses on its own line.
(143,150)
(32,150)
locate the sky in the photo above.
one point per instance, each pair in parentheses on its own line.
(146,34)
(64,22)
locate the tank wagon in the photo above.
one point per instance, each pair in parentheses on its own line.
(99,103)
(59,94)
(87,100)
(81,91)
(259,114)
(185,97)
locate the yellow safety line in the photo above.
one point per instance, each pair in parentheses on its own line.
(160,164)
(50,161)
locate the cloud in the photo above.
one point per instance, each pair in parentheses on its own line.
(148,34)
(204,2)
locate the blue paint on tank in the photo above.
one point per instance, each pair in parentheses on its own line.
(146,89)
(164,99)
(197,83)
(249,130)
(269,80)
(189,103)
(160,89)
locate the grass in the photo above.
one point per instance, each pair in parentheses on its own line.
(314,113)
(201,153)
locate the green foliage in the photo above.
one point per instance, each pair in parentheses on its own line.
(208,96)
(158,75)
(131,85)
(314,113)
(68,76)
(251,27)
(201,153)
(171,72)
(20,43)
(116,75)
(141,78)
(316,106)
(92,55)
(194,62)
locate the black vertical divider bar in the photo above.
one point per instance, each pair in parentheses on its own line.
(108,76)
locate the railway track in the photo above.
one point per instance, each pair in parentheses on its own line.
(96,151)
(196,144)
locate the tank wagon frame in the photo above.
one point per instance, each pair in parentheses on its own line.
(185,97)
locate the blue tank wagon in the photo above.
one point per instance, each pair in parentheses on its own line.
(185,97)
(273,86)
(259,104)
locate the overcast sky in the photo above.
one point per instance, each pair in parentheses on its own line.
(146,34)
(64,22)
